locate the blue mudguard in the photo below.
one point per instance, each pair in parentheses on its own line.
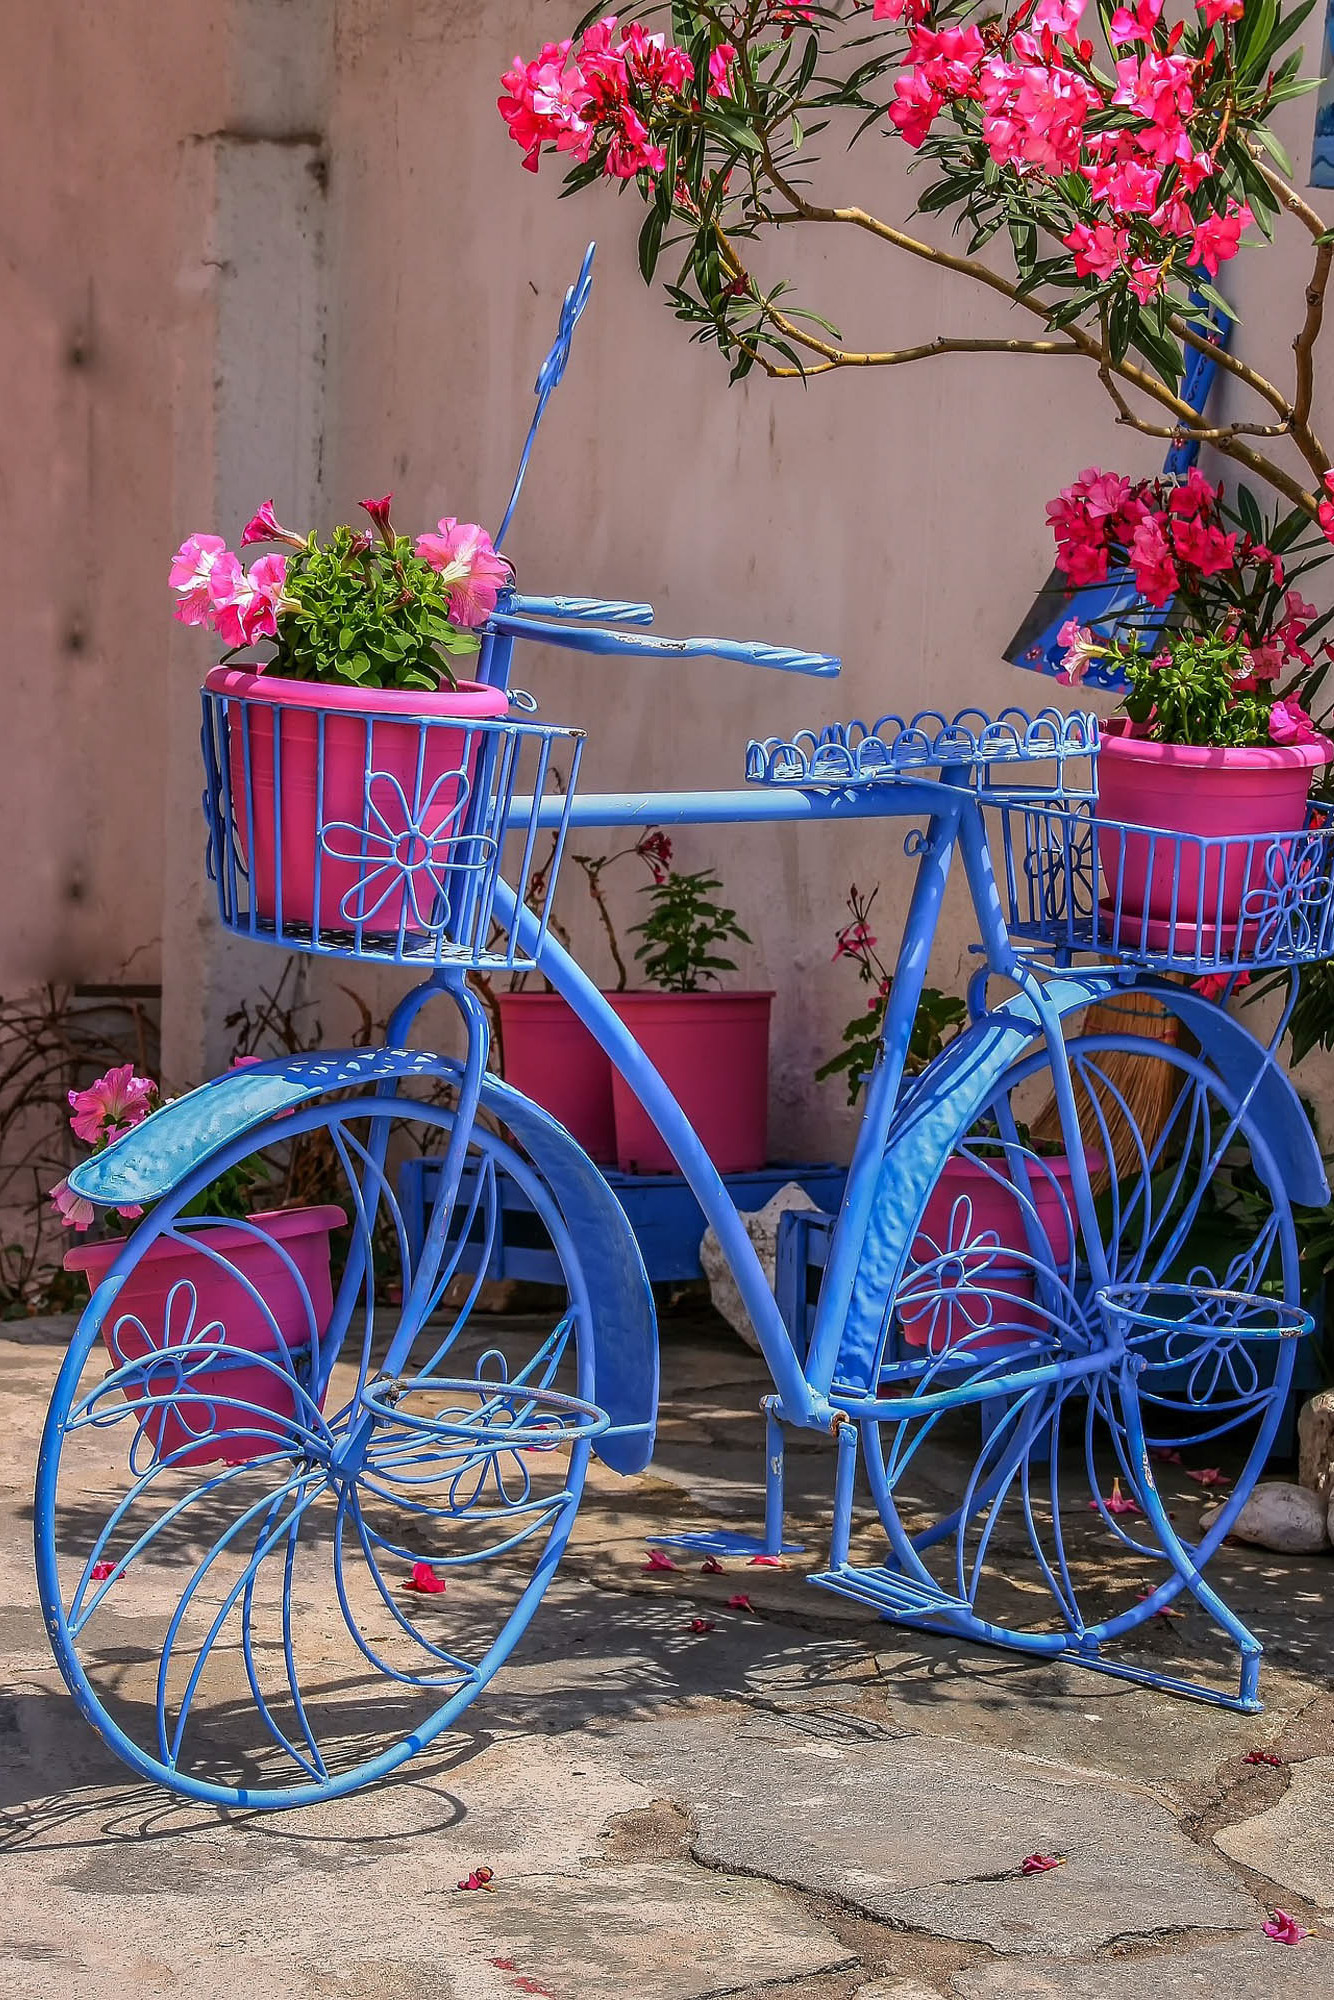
(942,1106)
(151,1160)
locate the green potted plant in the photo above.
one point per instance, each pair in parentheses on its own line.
(348,750)
(712,1047)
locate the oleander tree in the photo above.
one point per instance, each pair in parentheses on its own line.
(1098,165)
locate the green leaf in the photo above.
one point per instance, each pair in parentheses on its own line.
(650,243)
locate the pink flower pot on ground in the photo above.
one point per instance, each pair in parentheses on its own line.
(176,1294)
(382,829)
(551,1057)
(972,1234)
(1184,788)
(712,1049)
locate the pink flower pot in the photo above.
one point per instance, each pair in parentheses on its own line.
(393,800)
(176,1294)
(551,1057)
(976,1224)
(1184,788)
(713,1051)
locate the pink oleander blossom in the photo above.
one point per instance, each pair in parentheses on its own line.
(1097,251)
(191,569)
(1135,24)
(114,1103)
(1151,561)
(75,1212)
(1217,238)
(466,561)
(1221,10)
(721,60)
(245,601)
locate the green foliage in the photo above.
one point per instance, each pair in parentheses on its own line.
(938,1019)
(682,929)
(1187,691)
(368,615)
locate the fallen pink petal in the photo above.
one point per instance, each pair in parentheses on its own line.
(479,1878)
(711,1566)
(740,1602)
(1038,1864)
(1284,1929)
(701,1625)
(1167,1457)
(425,1580)
(100,1571)
(1164,1610)
(1209,1475)
(659,1564)
(1116,1502)
(766,1562)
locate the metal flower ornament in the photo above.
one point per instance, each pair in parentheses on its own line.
(407,849)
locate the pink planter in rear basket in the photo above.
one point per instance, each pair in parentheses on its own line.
(394,795)
(551,1057)
(176,1294)
(1185,788)
(975,1223)
(712,1050)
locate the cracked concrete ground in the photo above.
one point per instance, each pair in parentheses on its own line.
(798,1801)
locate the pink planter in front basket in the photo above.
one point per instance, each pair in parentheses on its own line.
(712,1049)
(395,789)
(176,1295)
(1191,789)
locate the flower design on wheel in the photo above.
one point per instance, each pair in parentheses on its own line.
(950,1293)
(1291,906)
(407,851)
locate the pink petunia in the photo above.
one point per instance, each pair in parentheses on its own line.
(75,1212)
(379,513)
(191,569)
(473,574)
(245,601)
(264,526)
(117,1100)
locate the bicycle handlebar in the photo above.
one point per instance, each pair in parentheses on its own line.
(610,608)
(633,646)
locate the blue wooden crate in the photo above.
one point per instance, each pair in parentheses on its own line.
(667,1220)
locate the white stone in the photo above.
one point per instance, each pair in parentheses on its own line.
(1315,1440)
(762,1229)
(1278,1516)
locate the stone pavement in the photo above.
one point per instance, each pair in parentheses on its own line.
(798,1802)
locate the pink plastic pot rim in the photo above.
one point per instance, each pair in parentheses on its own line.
(276,1223)
(636,995)
(1117,742)
(469,701)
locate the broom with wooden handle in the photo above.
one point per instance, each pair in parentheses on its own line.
(1135,1093)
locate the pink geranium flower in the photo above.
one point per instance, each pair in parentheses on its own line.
(75,1212)
(468,566)
(191,569)
(111,1105)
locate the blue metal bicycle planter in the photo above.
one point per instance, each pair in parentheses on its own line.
(232,1616)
